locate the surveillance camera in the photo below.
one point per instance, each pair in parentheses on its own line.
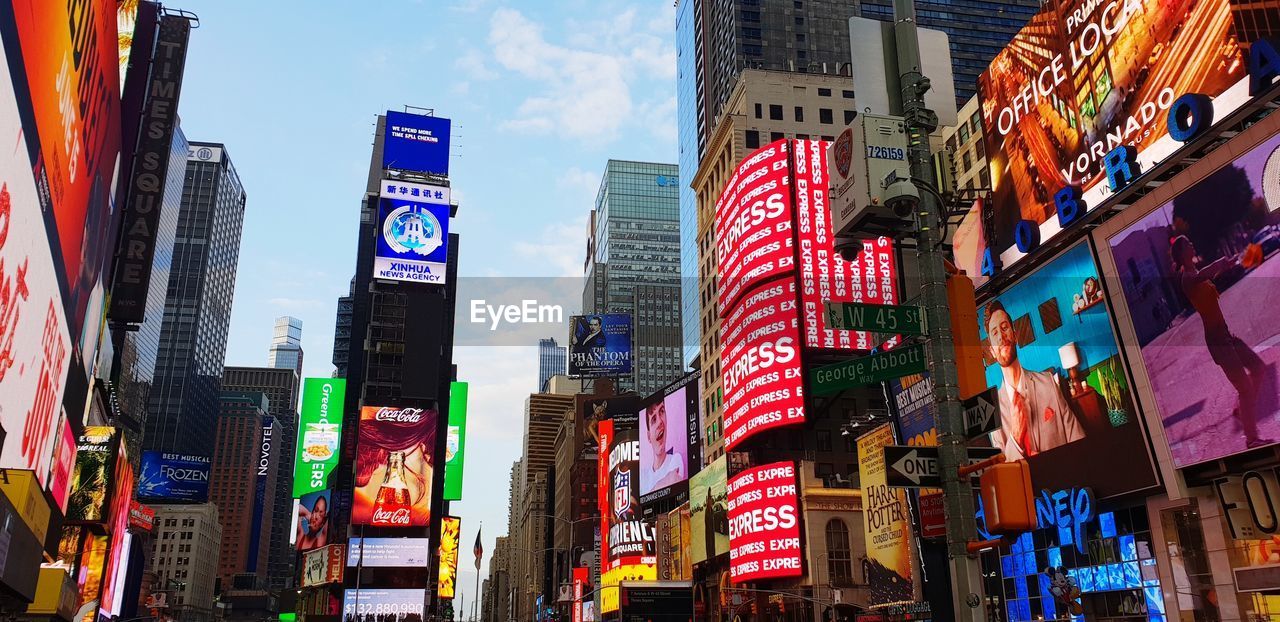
(902,197)
(849,248)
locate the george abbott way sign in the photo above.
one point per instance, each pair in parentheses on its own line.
(902,361)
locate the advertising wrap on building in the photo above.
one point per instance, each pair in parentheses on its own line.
(151,165)
(263,472)
(389,552)
(319,432)
(33,323)
(323,565)
(395,460)
(311,520)
(413,241)
(1063,394)
(912,405)
(753,226)
(630,540)
(414,142)
(382,605)
(447,577)
(887,524)
(94,475)
(764,524)
(763,379)
(709,511)
(669,441)
(600,345)
(174,477)
(455,446)
(1195,273)
(1077,82)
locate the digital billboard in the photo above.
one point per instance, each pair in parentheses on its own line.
(1063,395)
(447,575)
(118,524)
(382,605)
(600,345)
(389,552)
(762,375)
(413,232)
(141,517)
(394,465)
(592,413)
(630,540)
(669,441)
(753,224)
(1074,84)
(33,324)
(92,479)
(311,520)
(886,523)
(1197,273)
(64,460)
(415,142)
(709,511)
(764,523)
(455,446)
(319,433)
(174,477)
(323,565)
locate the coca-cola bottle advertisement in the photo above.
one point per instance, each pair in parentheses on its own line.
(394,465)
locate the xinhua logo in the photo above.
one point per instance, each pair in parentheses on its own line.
(409,229)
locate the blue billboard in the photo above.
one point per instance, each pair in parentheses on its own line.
(413,142)
(600,345)
(413,241)
(173,477)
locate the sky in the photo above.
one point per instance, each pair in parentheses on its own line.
(541,94)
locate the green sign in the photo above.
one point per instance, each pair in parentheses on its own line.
(456,443)
(887,319)
(867,370)
(319,433)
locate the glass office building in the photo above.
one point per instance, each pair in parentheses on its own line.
(552,360)
(286,345)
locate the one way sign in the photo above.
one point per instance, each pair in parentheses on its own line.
(980,416)
(917,467)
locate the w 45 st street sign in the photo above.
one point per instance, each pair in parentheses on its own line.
(884,319)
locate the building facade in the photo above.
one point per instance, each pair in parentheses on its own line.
(244,467)
(552,359)
(183,404)
(184,557)
(286,345)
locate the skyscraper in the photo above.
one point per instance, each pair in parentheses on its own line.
(342,334)
(244,467)
(635,240)
(286,345)
(551,361)
(183,403)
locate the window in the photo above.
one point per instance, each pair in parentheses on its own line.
(799,21)
(980,149)
(846,94)
(964,133)
(849,116)
(775,136)
(775,112)
(839,566)
(823,92)
(759,113)
(824,470)
(753,138)
(965,161)
(951,144)
(975,122)
(824,440)
(799,38)
(799,114)
(825,116)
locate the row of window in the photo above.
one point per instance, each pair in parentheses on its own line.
(753,137)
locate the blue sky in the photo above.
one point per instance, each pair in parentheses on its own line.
(540,93)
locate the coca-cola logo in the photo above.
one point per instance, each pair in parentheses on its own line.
(399,415)
(394,517)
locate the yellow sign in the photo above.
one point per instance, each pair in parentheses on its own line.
(449,531)
(887,526)
(23,491)
(612,577)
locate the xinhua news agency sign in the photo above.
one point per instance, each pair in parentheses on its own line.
(867,370)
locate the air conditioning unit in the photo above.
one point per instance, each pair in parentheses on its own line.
(871,192)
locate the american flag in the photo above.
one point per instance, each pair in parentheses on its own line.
(479,548)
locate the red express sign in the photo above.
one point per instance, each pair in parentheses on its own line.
(753,223)
(824,275)
(764,524)
(763,381)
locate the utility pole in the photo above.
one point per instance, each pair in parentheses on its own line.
(966,573)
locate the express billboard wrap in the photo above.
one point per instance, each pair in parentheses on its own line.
(763,379)
(1063,393)
(753,223)
(319,432)
(414,142)
(764,523)
(395,460)
(413,241)
(447,574)
(1082,79)
(600,345)
(1197,273)
(669,442)
(173,477)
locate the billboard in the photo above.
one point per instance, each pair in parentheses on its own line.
(118,525)
(311,520)
(263,472)
(762,375)
(447,575)
(455,446)
(394,465)
(413,241)
(1074,84)
(382,605)
(319,432)
(92,479)
(414,142)
(630,541)
(887,527)
(1063,396)
(389,552)
(64,460)
(709,511)
(323,565)
(141,516)
(33,325)
(914,409)
(1196,273)
(590,415)
(764,524)
(174,477)
(600,345)
(753,224)
(669,442)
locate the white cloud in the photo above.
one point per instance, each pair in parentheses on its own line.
(559,246)
(582,183)
(473,66)
(468,6)
(660,118)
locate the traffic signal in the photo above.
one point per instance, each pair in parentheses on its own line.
(964,333)
(1008,504)
(448,611)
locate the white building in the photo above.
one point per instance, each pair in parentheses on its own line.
(185,554)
